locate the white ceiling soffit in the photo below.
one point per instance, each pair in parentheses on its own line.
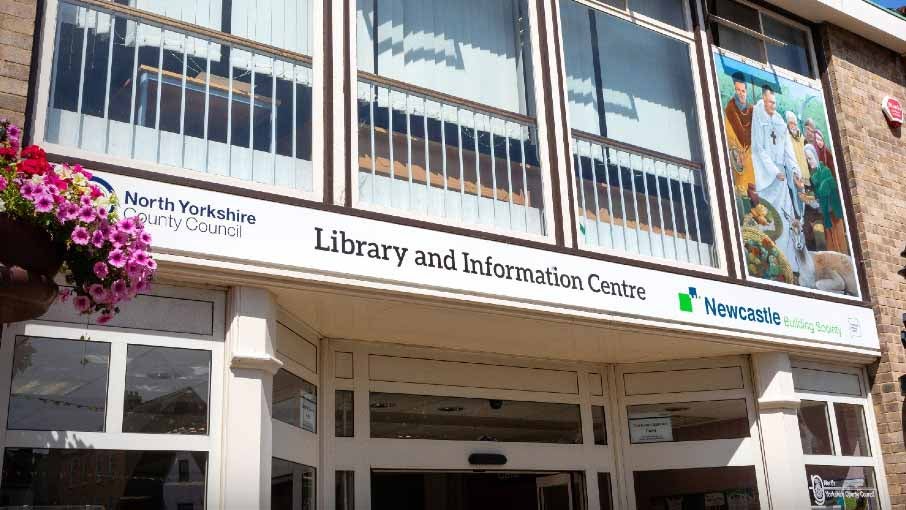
(859,16)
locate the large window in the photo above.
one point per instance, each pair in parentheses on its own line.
(446,112)
(116,416)
(836,443)
(637,156)
(134,88)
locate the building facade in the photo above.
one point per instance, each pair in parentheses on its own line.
(425,254)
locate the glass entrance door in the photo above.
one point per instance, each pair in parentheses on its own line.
(454,490)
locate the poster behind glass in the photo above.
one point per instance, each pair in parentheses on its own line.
(786,180)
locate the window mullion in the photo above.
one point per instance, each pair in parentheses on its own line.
(116,387)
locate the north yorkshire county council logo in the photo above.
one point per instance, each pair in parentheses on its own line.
(685,299)
(818,490)
(106,188)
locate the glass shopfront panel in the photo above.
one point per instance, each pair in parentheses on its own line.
(814,428)
(401,416)
(700,488)
(842,487)
(58,385)
(292,486)
(413,490)
(108,479)
(688,421)
(166,390)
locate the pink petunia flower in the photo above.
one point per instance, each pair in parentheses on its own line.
(145,237)
(44,203)
(3,183)
(65,294)
(98,239)
(102,212)
(82,303)
(27,189)
(80,236)
(126,225)
(143,286)
(151,264)
(119,287)
(86,214)
(71,212)
(117,258)
(85,201)
(140,257)
(104,318)
(119,238)
(100,269)
(97,292)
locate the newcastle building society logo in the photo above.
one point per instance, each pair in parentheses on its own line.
(685,299)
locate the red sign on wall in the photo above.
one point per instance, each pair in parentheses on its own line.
(893,110)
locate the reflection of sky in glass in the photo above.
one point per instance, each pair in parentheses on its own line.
(58,384)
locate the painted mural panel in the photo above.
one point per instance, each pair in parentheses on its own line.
(785,179)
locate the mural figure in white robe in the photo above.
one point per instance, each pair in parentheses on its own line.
(777,172)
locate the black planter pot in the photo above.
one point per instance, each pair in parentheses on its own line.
(29,260)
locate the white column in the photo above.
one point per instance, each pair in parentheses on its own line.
(251,341)
(777,405)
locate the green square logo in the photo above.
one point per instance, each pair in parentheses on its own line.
(685,302)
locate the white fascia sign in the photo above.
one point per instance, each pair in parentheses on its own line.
(258,232)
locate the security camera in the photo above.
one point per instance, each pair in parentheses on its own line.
(495,403)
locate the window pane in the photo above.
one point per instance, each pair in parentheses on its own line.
(166,390)
(668,11)
(473,419)
(604,491)
(292,486)
(295,401)
(842,487)
(721,487)
(472,49)
(345,490)
(608,97)
(600,425)
(814,428)
(734,40)
(182,100)
(794,56)
(107,478)
(851,428)
(345,418)
(688,421)
(58,385)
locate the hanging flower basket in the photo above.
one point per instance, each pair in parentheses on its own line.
(52,219)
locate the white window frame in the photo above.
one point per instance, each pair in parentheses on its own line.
(119,339)
(362,453)
(876,460)
(689,454)
(812,82)
(42,101)
(539,76)
(687,37)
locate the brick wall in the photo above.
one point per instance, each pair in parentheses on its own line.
(17,28)
(861,73)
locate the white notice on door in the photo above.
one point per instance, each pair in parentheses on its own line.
(651,430)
